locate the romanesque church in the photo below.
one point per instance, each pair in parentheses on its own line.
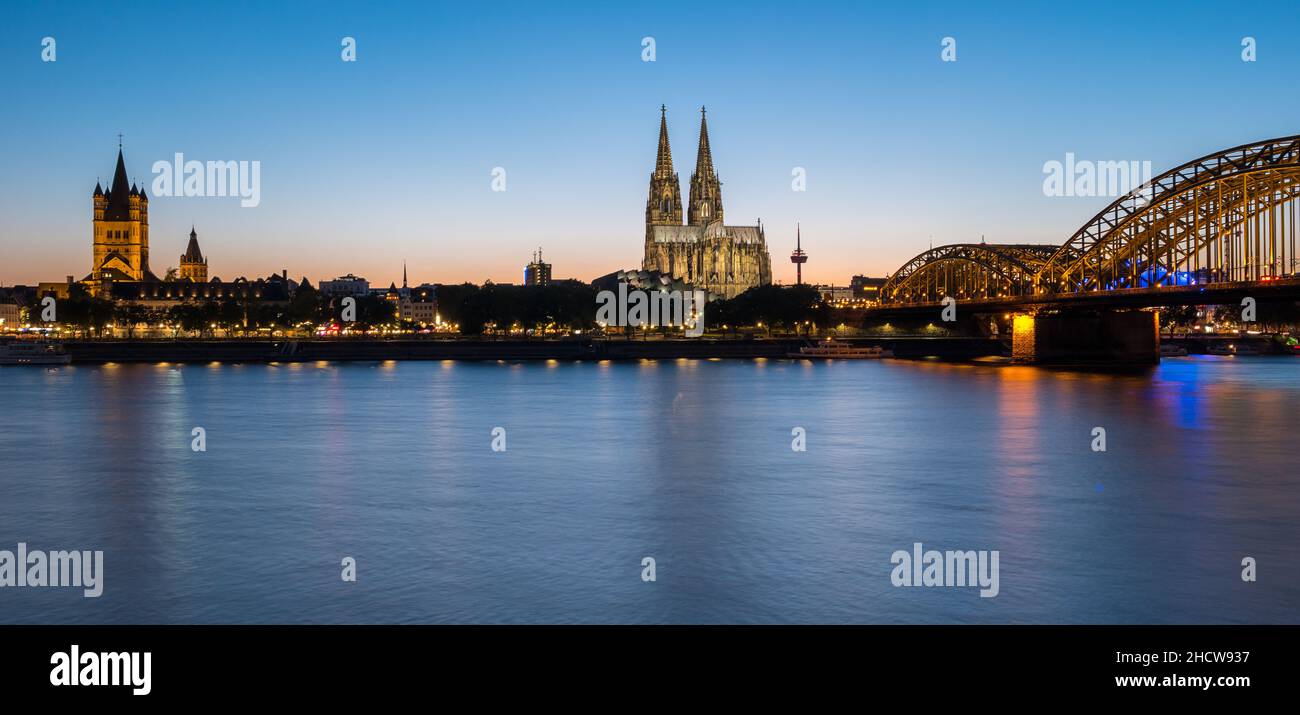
(121,232)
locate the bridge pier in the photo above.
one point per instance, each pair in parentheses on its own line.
(1108,337)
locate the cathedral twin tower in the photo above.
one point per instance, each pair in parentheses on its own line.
(724,260)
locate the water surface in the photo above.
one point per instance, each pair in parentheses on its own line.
(688,462)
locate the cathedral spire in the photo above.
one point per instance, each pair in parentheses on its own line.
(706,189)
(664,162)
(704,158)
(664,205)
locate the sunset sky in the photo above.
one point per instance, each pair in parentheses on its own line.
(390,158)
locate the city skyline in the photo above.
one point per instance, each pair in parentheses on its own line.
(379,324)
(358,176)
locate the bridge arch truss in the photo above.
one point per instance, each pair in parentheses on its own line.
(967,271)
(1227,217)
(1232,216)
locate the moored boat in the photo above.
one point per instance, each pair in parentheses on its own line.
(831,349)
(33,352)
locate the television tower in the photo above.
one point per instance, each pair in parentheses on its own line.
(798,258)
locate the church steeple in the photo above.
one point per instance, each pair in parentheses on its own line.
(119,195)
(193,265)
(704,158)
(664,161)
(706,189)
(664,205)
(192,253)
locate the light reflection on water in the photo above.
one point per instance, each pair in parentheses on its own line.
(688,461)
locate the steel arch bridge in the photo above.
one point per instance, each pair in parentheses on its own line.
(1230,217)
(968,271)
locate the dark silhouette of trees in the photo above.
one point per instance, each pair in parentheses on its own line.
(81,311)
(305,307)
(492,307)
(791,308)
(131,314)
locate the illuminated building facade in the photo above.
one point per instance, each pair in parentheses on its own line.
(194,266)
(120,245)
(538,272)
(724,260)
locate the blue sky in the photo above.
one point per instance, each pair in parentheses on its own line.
(387,159)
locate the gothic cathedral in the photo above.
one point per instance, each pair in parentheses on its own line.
(705,253)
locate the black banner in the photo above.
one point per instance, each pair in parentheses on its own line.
(973,664)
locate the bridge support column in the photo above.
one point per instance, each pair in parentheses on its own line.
(1103,338)
(1023,346)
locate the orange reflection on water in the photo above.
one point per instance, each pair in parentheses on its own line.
(1018,415)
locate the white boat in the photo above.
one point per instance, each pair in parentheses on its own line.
(829,349)
(33,352)
(1168,350)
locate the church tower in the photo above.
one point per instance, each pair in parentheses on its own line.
(193,265)
(706,189)
(664,206)
(121,231)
